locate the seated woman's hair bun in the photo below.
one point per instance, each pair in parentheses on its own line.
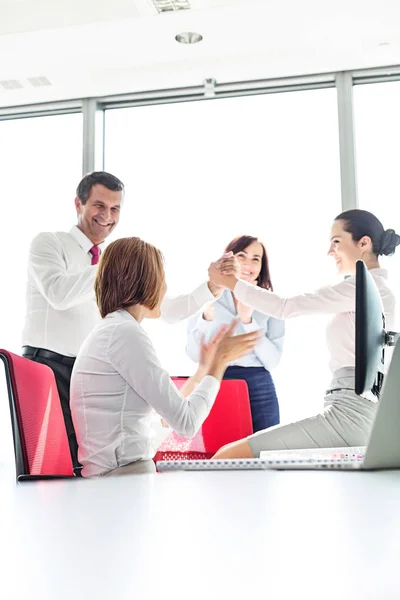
(390,240)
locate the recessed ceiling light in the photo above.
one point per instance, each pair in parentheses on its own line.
(188,37)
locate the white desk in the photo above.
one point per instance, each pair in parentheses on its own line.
(203,535)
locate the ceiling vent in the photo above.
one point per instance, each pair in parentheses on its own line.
(171,5)
(11,84)
(15,84)
(39,81)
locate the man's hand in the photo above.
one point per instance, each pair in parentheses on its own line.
(225,272)
(229,265)
(226,265)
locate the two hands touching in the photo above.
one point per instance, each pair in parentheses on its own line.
(224,274)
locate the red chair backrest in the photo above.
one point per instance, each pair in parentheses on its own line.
(229,420)
(37,419)
(230,417)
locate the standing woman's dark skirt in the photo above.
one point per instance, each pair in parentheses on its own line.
(263,399)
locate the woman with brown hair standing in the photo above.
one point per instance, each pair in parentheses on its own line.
(255,367)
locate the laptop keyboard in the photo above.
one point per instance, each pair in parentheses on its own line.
(327,457)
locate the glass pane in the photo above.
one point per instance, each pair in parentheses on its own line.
(198,174)
(377,121)
(41,164)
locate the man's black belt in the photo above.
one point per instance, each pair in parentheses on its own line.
(31,352)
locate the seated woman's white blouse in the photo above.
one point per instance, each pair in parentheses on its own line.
(339,300)
(117,383)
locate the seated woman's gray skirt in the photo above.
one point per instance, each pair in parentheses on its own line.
(345,421)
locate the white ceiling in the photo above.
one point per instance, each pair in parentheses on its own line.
(102,47)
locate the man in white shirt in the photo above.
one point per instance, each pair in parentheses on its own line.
(61,306)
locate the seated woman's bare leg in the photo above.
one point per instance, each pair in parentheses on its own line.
(239,449)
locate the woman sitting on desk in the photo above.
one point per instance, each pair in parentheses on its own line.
(117,381)
(347,418)
(255,367)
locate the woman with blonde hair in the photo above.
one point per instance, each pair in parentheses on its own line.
(118,382)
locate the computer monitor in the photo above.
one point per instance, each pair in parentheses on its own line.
(371,336)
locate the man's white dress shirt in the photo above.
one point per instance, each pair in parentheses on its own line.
(339,300)
(117,385)
(61,306)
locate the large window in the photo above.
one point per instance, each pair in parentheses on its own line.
(198,174)
(377,123)
(41,165)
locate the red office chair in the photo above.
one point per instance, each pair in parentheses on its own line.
(229,420)
(40,439)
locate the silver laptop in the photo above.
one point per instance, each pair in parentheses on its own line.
(382,451)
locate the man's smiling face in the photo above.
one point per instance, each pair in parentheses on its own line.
(100,214)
